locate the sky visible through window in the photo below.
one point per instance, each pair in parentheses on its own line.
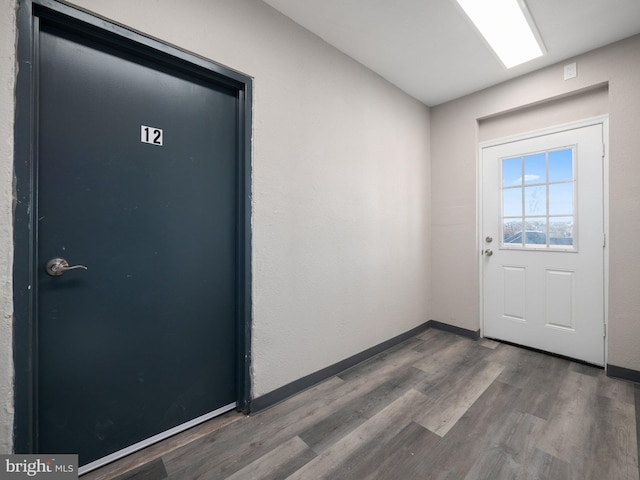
(538,199)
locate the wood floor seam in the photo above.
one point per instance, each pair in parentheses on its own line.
(439,406)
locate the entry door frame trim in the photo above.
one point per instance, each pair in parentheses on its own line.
(598,120)
(29,15)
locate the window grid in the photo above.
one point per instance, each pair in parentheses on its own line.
(532,227)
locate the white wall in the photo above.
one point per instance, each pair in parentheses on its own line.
(570,109)
(454,152)
(341,186)
(7,89)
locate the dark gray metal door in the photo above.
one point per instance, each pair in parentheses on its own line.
(144,339)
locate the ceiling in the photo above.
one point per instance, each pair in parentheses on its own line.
(430,50)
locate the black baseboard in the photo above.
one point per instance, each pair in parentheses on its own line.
(463,332)
(623,373)
(637,395)
(304,383)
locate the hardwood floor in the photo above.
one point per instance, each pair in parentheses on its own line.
(437,406)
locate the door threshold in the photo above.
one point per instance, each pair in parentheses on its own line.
(546,352)
(155,451)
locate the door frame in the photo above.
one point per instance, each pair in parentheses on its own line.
(598,120)
(25,324)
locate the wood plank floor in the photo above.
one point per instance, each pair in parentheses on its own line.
(437,406)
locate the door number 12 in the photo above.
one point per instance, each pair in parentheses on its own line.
(151,135)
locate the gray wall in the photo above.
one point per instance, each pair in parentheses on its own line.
(455,133)
(341,187)
(358,235)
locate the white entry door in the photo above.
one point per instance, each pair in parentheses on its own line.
(543,242)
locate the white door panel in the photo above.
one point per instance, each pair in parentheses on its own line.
(542,220)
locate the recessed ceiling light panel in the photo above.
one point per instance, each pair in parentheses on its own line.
(507,27)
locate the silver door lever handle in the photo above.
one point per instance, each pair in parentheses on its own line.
(58,266)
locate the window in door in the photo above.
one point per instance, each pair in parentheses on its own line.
(538,200)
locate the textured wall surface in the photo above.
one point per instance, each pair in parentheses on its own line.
(363,227)
(7,89)
(454,153)
(341,185)
(573,108)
